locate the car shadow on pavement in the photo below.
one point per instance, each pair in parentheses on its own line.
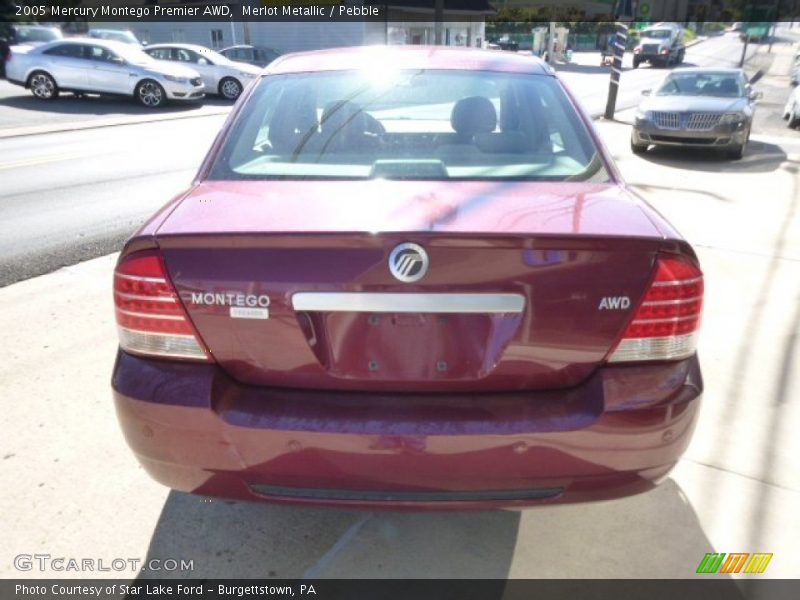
(656,534)
(759,157)
(100,105)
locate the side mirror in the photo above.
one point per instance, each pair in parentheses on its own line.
(202,61)
(144,43)
(118,60)
(646,92)
(756,95)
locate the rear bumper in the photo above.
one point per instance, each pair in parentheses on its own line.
(195,429)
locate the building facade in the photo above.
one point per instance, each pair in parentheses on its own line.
(406,22)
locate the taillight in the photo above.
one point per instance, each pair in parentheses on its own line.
(150,317)
(665,51)
(665,324)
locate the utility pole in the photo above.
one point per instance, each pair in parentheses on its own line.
(744,49)
(245,27)
(621,9)
(775,18)
(438,17)
(620,41)
(551,43)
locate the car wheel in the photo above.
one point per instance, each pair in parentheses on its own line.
(150,94)
(229,88)
(794,119)
(635,64)
(681,56)
(43,86)
(638,148)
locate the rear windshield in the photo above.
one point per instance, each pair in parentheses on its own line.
(442,124)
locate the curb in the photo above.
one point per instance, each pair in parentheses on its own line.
(81,125)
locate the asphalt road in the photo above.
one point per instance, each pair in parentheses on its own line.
(67,197)
(70,196)
(72,488)
(19,109)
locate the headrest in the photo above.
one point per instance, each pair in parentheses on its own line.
(475,114)
(341,114)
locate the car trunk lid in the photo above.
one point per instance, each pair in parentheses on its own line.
(528,285)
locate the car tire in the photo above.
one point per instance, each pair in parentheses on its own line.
(150,94)
(230,88)
(681,56)
(635,63)
(638,148)
(794,118)
(43,86)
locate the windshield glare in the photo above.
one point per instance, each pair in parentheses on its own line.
(721,85)
(408,125)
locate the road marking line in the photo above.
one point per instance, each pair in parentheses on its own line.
(315,571)
(29,162)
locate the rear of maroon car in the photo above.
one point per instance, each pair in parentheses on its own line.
(417,307)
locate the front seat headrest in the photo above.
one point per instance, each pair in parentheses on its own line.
(472,115)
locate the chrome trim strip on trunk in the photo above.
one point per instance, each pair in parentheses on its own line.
(408,302)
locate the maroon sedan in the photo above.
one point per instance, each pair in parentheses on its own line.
(408,277)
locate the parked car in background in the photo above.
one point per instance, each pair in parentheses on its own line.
(419,286)
(506,43)
(259,56)
(221,75)
(25,35)
(791,111)
(660,45)
(100,66)
(116,35)
(33,35)
(699,107)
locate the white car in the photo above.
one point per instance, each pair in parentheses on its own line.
(221,75)
(101,66)
(795,76)
(791,111)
